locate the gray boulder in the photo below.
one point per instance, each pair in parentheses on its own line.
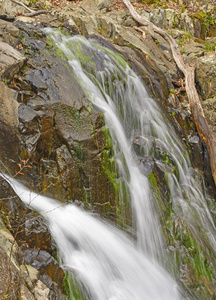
(206,76)
(11,61)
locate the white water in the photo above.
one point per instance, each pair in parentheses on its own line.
(103,259)
(146,223)
(108,264)
(129,112)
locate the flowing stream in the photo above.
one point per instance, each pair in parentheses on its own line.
(106,262)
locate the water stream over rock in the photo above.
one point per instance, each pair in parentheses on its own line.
(107,264)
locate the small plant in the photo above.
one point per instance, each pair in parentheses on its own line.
(89,108)
(175,23)
(170,32)
(183,9)
(181,41)
(172,92)
(210,46)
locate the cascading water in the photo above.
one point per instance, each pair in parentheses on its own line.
(130,113)
(109,265)
(103,259)
(106,99)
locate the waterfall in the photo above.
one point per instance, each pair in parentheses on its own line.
(107,100)
(129,112)
(107,263)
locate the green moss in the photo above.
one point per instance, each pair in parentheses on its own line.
(121,193)
(79,152)
(153,180)
(210,46)
(118,58)
(195,254)
(50,44)
(166,159)
(72,287)
(207,18)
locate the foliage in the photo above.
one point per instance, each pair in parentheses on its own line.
(72,288)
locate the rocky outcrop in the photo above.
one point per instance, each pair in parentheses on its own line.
(206,83)
(8,33)
(47,121)
(11,61)
(51,119)
(10,272)
(26,272)
(10,8)
(25,281)
(206,76)
(201,4)
(96,4)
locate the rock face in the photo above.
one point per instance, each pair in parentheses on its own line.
(98,4)
(45,119)
(24,281)
(10,272)
(11,61)
(9,106)
(202,4)
(34,273)
(8,33)
(206,76)
(57,132)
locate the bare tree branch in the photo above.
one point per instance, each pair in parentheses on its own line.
(36,13)
(31,13)
(22,4)
(188,70)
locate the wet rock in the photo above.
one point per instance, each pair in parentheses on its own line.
(154,148)
(53,113)
(147,164)
(44,263)
(160,189)
(40,268)
(11,61)
(36,233)
(29,127)
(143,145)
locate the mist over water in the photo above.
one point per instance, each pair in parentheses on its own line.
(108,264)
